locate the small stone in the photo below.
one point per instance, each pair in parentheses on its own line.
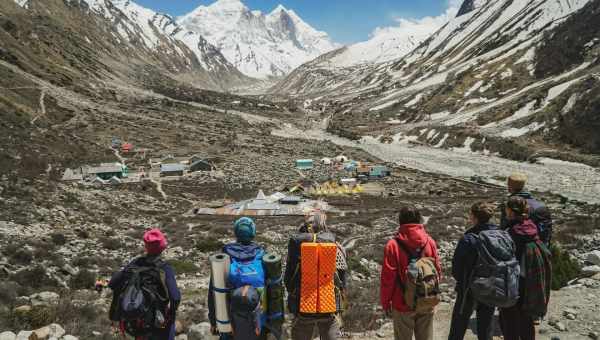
(560,326)
(67,269)
(593,257)
(178,327)
(181,337)
(44,299)
(199,331)
(96,333)
(40,334)
(56,330)
(8,336)
(69,337)
(571,316)
(23,335)
(22,310)
(594,336)
(22,300)
(590,270)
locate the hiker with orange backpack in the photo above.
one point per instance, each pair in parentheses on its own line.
(145,293)
(315,279)
(410,277)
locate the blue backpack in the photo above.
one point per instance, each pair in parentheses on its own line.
(247,272)
(248,298)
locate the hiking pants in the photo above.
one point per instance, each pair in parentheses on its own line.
(461,315)
(303,327)
(407,324)
(516,325)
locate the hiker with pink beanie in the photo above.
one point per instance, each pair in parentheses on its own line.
(145,293)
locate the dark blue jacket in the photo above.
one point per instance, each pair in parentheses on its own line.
(465,255)
(239,251)
(118,280)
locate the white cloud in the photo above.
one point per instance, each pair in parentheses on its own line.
(419,26)
(394,42)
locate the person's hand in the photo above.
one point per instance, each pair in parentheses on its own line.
(214,331)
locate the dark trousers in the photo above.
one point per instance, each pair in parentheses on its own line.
(516,325)
(463,309)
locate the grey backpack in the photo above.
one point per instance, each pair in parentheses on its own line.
(495,279)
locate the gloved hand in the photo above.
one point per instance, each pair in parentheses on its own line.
(214,330)
(388,313)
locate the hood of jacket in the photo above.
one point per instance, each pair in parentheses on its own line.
(413,235)
(243,252)
(524,228)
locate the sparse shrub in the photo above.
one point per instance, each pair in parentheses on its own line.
(209,245)
(361,313)
(355,266)
(8,292)
(183,267)
(84,279)
(111,243)
(21,256)
(59,239)
(34,277)
(84,234)
(564,268)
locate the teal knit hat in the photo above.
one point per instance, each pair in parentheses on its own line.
(244,229)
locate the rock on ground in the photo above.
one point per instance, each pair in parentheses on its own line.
(8,336)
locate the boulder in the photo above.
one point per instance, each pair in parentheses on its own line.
(593,257)
(44,299)
(49,332)
(8,336)
(200,331)
(178,327)
(590,270)
(23,335)
(22,310)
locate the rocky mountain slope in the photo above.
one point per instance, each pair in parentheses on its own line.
(124,36)
(503,77)
(259,45)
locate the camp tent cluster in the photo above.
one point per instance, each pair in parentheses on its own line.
(277,204)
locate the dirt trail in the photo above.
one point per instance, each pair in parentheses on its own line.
(159,188)
(42,107)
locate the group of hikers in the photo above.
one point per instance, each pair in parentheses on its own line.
(503,267)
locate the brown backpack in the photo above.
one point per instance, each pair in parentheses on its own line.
(421,289)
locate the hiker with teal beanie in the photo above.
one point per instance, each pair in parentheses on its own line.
(243,250)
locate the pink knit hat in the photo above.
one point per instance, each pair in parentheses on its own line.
(155,242)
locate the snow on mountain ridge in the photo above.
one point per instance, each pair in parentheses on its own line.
(259,45)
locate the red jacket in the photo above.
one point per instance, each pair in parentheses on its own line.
(395,263)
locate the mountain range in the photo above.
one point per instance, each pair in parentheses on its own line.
(514,78)
(259,45)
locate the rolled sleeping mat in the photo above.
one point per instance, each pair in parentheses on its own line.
(275,293)
(219,266)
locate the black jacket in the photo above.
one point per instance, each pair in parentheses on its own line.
(465,255)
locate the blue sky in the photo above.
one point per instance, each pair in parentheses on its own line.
(346,21)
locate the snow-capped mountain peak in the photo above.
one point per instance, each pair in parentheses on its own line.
(259,45)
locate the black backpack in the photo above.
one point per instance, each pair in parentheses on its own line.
(143,298)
